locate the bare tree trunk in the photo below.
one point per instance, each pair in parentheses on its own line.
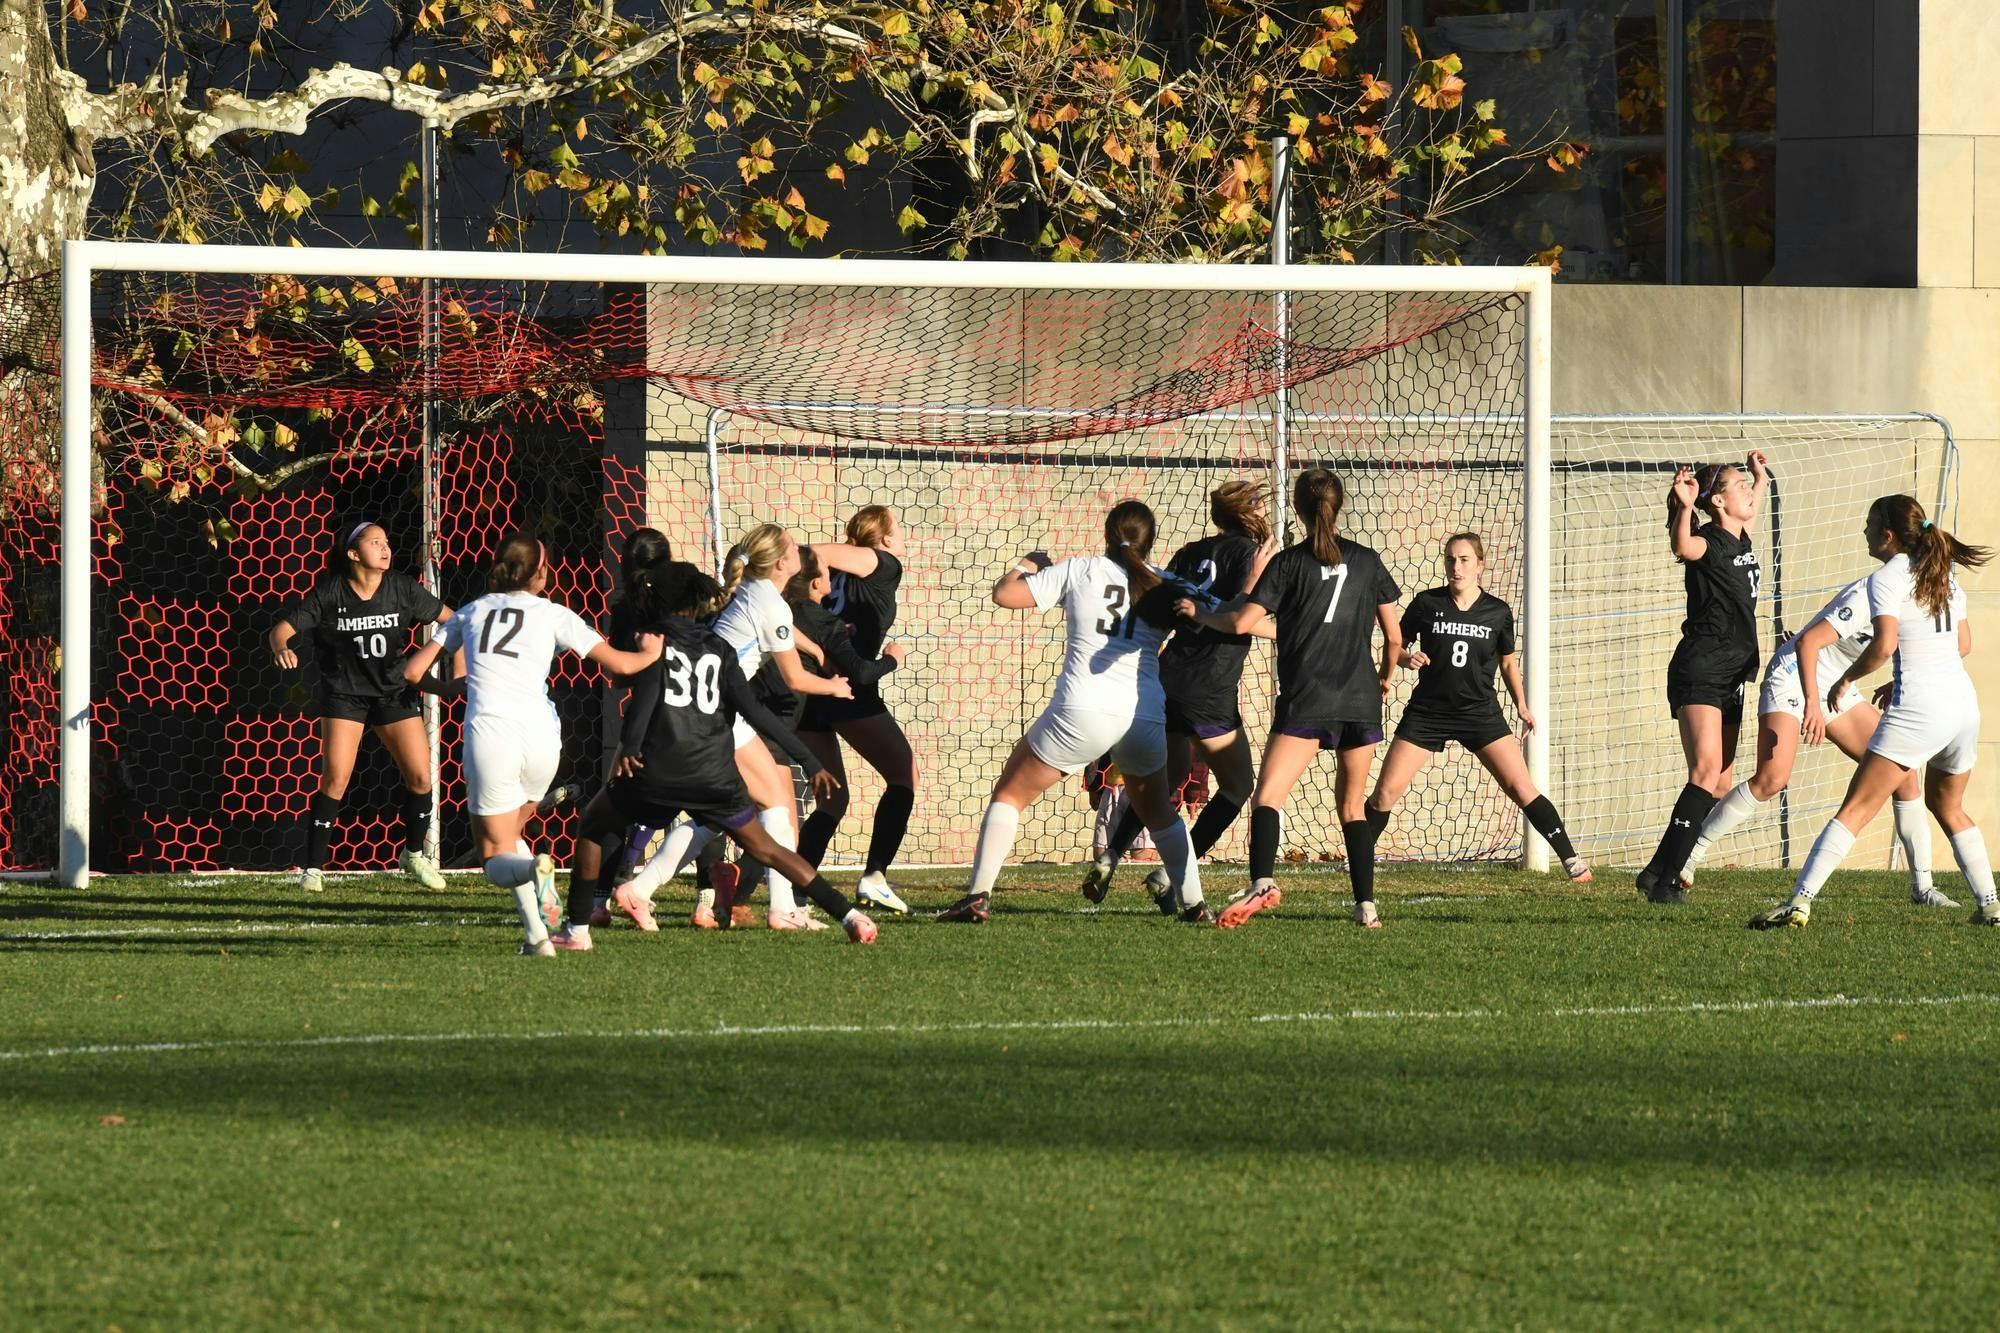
(46,169)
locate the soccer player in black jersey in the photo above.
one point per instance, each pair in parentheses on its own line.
(360,617)
(1717,653)
(642,549)
(866,571)
(677,755)
(1328,595)
(1201,670)
(1456,637)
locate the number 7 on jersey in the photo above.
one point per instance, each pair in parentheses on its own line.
(1339,577)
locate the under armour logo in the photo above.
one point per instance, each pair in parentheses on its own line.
(1683,823)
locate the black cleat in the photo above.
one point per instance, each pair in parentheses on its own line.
(1667,891)
(972,907)
(1198,915)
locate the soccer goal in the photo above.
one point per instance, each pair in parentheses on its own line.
(227,413)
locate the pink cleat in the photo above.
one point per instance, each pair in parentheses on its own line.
(1243,908)
(704,918)
(600,915)
(798,920)
(570,942)
(632,905)
(859,928)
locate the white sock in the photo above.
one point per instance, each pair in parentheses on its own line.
(1968,848)
(521,847)
(578,930)
(1913,830)
(1177,855)
(777,822)
(1828,851)
(529,906)
(996,839)
(508,871)
(682,843)
(1727,816)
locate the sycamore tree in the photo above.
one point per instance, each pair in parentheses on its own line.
(734,124)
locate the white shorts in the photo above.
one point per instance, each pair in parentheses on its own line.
(1070,740)
(1946,739)
(508,764)
(1786,694)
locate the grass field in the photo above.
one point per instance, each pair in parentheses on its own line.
(1519,1104)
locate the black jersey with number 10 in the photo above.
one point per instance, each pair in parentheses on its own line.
(1464,648)
(1326,632)
(360,641)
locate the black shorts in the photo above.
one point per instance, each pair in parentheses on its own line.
(1206,719)
(1434,731)
(660,807)
(1682,691)
(822,712)
(1331,733)
(376,710)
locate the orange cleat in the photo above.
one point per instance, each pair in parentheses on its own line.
(1247,905)
(632,905)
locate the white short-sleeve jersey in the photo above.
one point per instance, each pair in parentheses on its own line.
(1854,630)
(1111,657)
(756,623)
(510,640)
(1929,671)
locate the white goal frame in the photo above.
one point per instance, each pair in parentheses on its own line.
(81,260)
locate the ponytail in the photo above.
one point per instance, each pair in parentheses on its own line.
(1240,507)
(1317,498)
(1931,549)
(1128,538)
(673,588)
(753,557)
(521,557)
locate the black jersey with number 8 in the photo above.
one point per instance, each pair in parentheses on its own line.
(1464,648)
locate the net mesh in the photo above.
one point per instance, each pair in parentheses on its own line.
(242,424)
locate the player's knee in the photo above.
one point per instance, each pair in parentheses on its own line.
(1766,788)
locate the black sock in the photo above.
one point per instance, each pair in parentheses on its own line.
(1683,827)
(892,821)
(1124,832)
(416,819)
(1377,819)
(815,833)
(1541,812)
(320,818)
(1263,841)
(583,888)
(637,839)
(827,898)
(1213,821)
(1361,858)
(613,868)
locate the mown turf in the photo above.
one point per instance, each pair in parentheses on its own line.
(1058,1119)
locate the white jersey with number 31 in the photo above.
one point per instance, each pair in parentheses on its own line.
(1111,657)
(510,641)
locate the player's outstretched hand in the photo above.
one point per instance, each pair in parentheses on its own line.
(1685,489)
(841,689)
(1759,465)
(1812,727)
(824,785)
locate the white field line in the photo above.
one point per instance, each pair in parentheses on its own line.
(1695,1007)
(227,928)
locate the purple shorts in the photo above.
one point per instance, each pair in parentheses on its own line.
(1348,736)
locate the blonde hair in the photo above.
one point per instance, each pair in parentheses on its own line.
(869,525)
(1238,507)
(756,553)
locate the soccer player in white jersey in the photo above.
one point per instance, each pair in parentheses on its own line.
(756,621)
(512,740)
(1791,710)
(1117,609)
(1932,721)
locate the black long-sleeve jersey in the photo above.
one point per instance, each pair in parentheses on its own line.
(1202,664)
(868,605)
(360,642)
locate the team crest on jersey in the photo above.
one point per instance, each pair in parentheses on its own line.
(784,632)
(1847,613)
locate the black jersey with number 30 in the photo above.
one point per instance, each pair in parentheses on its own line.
(1326,631)
(359,641)
(1202,664)
(1464,648)
(1719,637)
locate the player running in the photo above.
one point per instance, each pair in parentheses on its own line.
(1201,671)
(1717,652)
(864,573)
(512,741)
(1328,594)
(1932,721)
(1456,636)
(1790,709)
(1117,609)
(360,617)
(677,753)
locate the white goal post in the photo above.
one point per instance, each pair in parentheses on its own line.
(1282,288)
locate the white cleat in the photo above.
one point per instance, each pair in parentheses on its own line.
(422,869)
(1366,917)
(1986,914)
(311,881)
(1928,896)
(1578,871)
(874,891)
(545,891)
(1162,888)
(1097,879)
